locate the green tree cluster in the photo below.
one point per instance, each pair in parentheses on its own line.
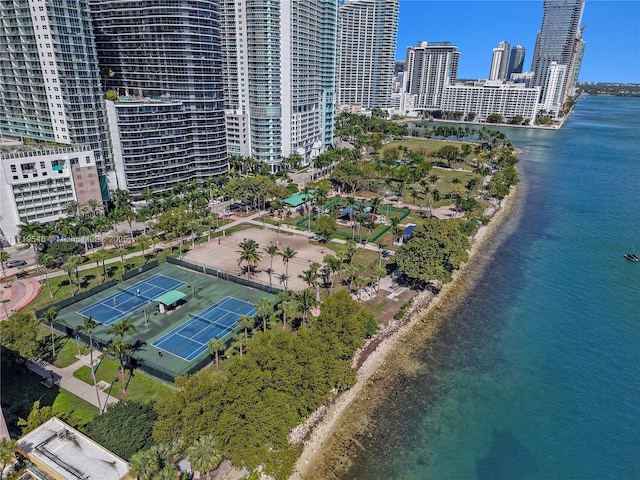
(281,379)
(435,250)
(124,428)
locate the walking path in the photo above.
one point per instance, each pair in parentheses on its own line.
(24,291)
(63,377)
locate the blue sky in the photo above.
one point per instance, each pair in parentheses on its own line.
(612,33)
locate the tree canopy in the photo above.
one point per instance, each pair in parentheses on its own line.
(435,250)
(125,428)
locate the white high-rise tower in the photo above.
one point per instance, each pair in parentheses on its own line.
(367,32)
(279,69)
(500,61)
(559,42)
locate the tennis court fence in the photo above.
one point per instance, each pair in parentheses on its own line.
(137,271)
(97,289)
(76,298)
(224,275)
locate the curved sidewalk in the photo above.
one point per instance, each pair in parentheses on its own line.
(63,377)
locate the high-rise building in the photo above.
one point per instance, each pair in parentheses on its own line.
(279,68)
(50,86)
(516,60)
(53,126)
(367,32)
(167,123)
(500,61)
(557,43)
(429,67)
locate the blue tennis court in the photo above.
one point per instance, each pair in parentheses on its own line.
(124,302)
(190,339)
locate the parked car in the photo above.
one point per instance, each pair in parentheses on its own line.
(15,263)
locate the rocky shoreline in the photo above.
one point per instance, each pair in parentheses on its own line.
(318,429)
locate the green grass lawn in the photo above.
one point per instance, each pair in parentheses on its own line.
(140,387)
(21,389)
(68,351)
(429,144)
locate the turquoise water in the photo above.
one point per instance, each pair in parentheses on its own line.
(536,374)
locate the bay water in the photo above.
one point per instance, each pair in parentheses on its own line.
(535,373)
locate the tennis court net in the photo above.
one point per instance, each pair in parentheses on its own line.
(135,293)
(211,322)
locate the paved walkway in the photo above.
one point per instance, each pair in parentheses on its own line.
(63,377)
(17,294)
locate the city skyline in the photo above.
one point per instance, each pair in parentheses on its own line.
(518,22)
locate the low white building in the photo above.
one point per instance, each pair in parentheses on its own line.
(485,97)
(57,451)
(36,185)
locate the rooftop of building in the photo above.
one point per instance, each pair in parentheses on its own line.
(11,147)
(65,453)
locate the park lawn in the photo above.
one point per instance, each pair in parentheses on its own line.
(73,410)
(140,387)
(68,351)
(429,144)
(21,391)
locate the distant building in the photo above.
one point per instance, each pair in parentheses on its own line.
(429,68)
(557,43)
(168,125)
(58,451)
(50,92)
(553,99)
(500,62)
(36,185)
(524,77)
(486,97)
(367,32)
(516,60)
(279,71)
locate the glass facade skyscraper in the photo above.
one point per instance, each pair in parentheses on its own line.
(50,86)
(557,41)
(367,32)
(168,123)
(279,75)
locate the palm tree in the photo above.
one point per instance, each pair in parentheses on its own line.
(264,308)
(143,241)
(89,327)
(288,255)
(72,209)
(47,261)
(237,343)
(360,283)
(379,272)
(246,322)
(49,317)
(310,276)
(333,265)
(99,256)
(306,300)
(271,250)
(8,448)
(94,206)
(215,346)
(204,455)
(85,228)
(143,465)
(120,349)
(121,252)
(121,328)
(70,267)
(249,253)
(65,227)
(395,223)
(4,257)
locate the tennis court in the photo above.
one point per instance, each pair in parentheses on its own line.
(190,339)
(124,302)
